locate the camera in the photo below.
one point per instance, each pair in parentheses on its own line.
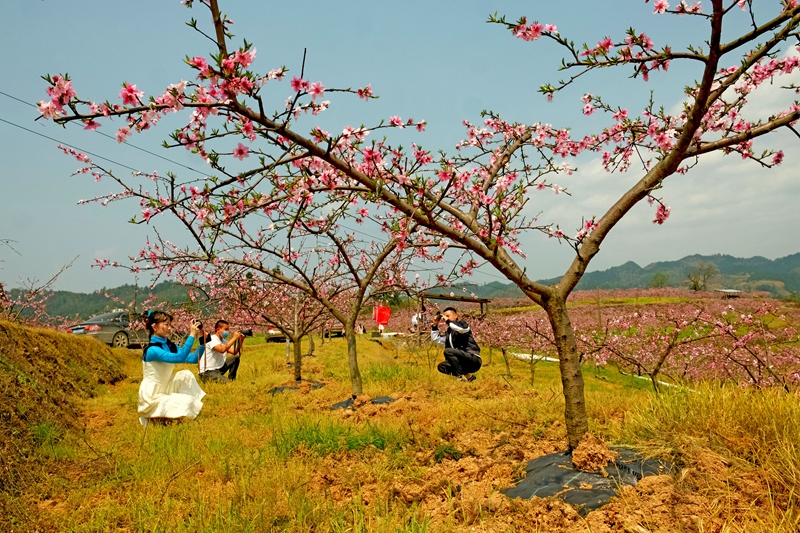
(247,332)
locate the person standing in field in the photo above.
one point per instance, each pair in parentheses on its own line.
(164,396)
(461,353)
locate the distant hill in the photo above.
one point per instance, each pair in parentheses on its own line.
(780,277)
(68,304)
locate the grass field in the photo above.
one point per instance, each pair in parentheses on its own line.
(434,460)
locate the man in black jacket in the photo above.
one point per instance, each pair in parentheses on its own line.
(461,352)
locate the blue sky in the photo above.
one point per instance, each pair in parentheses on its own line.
(437,61)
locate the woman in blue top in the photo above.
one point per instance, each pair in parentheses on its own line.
(162,394)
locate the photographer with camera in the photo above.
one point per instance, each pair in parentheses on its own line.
(461,352)
(222,353)
(164,396)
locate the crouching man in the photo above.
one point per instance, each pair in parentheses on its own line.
(221,354)
(461,352)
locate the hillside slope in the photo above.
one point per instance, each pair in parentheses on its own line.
(43,377)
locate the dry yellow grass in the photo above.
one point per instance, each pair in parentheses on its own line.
(432,461)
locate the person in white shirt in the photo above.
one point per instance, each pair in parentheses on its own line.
(221,354)
(414,322)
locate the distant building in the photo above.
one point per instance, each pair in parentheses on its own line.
(729,293)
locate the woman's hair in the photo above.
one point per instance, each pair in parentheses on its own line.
(155,317)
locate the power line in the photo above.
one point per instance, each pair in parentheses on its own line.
(69,144)
(113,138)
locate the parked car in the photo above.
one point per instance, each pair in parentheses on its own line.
(336,330)
(112,328)
(274,335)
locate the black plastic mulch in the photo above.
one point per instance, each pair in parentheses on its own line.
(554,475)
(348,403)
(314,386)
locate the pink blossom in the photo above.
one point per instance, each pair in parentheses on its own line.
(91,124)
(777,159)
(198,62)
(129,94)
(228,64)
(588,109)
(696,7)
(316,90)
(298,84)
(660,6)
(245,58)
(422,156)
(371,156)
(61,91)
(605,45)
(247,129)
(241,151)
(421,125)
(276,74)
(662,213)
(664,140)
(146,214)
(366,92)
(48,109)
(396,122)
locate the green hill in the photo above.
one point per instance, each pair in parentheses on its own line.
(780,277)
(70,304)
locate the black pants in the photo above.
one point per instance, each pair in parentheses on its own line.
(230,367)
(459,362)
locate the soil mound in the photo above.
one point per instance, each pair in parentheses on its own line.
(43,376)
(304,386)
(592,454)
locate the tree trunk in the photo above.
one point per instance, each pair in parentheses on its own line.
(570,366)
(352,359)
(298,359)
(508,367)
(310,344)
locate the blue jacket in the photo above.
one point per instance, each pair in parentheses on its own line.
(161,349)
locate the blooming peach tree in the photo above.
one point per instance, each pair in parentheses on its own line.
(482,195)
(253,300)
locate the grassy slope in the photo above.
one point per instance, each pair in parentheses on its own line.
(433,461)
(43,377)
